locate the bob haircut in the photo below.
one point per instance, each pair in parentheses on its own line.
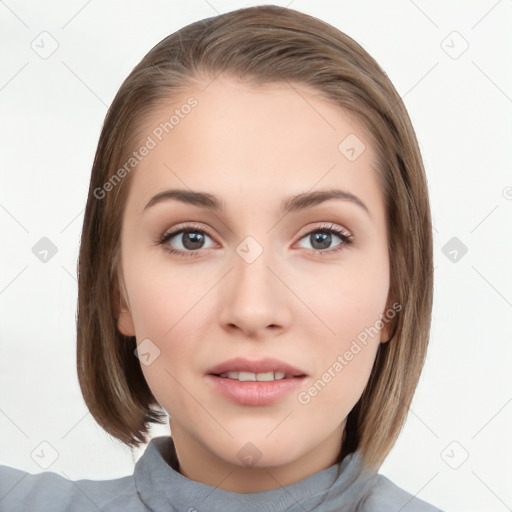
(259,45)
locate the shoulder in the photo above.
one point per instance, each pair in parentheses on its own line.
(386,496)
(21,491)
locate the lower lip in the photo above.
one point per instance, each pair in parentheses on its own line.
(254,392)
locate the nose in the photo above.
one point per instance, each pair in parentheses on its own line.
(255,299)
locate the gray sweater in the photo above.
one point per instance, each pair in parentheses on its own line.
(157,486)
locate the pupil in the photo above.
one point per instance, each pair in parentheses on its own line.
(323,238)
(192,240)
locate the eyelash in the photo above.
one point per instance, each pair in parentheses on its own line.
(346,239)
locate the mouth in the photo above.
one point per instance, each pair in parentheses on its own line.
(263,370)
(256,377)
(255,383)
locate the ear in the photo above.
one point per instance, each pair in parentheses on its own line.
(121,308)
(388,330)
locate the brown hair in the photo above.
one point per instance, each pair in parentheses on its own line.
(259,45)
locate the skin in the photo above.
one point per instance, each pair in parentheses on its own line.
(254,146)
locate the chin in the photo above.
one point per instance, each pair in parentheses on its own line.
(256,451)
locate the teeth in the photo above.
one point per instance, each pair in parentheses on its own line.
(250,376)
(244,376)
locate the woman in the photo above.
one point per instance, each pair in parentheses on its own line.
(255,261)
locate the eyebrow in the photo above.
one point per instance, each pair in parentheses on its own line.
(290,204)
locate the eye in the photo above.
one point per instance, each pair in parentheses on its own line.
(321,238)
(189,240)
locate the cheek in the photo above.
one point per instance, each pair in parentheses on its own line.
(167,318)
(348,301)
(346,358)
(351,305)
(162,297)
(165,307)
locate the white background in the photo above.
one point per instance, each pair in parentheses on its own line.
(51,113)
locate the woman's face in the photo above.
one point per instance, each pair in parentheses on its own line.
(260,276)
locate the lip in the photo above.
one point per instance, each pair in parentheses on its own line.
(268,364)
(254,392)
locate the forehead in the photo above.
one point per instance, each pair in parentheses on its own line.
(240,140)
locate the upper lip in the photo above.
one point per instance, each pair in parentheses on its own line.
(268,364)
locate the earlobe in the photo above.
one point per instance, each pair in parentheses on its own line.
(384,337)
(388,331)
(122,312)
(125,323)
(389,319)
